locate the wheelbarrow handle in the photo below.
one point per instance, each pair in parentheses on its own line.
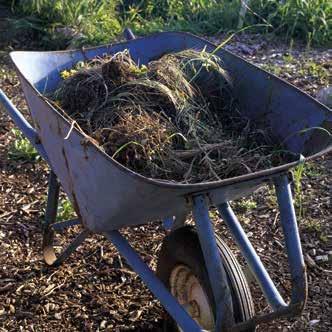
(28,131)
(128,34)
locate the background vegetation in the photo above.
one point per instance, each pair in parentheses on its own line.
(98,21)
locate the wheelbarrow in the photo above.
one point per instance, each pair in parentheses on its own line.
(198,280)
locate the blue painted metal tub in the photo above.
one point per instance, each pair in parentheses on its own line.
(108,196)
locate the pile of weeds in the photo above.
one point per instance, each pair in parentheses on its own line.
(174,119)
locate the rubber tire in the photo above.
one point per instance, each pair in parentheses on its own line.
(182,246)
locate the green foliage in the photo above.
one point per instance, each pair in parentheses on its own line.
(323,238)
(304,169)
(309,20)
(65,210)
(312,226)
(316,71)
(315,227)
(94,20)
(289,59)
(21,149)
(245,205)
(312,170)
(306,68)
(198,16)
(272,68)
(100,21)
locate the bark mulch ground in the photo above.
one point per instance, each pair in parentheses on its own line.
(95,290)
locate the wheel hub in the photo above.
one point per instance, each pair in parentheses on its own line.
(188,290)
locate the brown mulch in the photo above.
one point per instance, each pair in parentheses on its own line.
(96,290)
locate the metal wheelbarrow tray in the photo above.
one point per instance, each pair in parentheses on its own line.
(107,196)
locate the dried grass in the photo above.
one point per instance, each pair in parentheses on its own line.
(174,119)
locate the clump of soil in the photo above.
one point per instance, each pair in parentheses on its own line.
(174,119)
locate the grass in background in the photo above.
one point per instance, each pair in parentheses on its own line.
(198,16)
(89,21)
(308,20)
(99,21)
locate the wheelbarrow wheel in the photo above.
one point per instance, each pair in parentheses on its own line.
(181,267)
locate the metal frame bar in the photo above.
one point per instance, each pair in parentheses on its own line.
(256,266)
(56,261)
(50,225)
(154,284)
(53,190)
(212,258)
(61,225)
(213,263)
(52,199)
(294,253)
(222,294)
(292,240)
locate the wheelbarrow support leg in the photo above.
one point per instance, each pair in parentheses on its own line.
(216,272)
(50,225)
(253,260)
(294,253)
(52,200)
(154,284)
(292,240)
